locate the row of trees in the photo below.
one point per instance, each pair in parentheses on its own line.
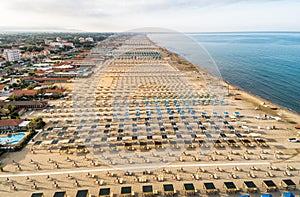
(9,111)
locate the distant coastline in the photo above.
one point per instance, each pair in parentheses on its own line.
(267,70)
(264,105)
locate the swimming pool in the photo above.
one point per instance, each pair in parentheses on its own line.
(12,138)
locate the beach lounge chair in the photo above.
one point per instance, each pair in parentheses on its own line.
(266,195)
(288,194)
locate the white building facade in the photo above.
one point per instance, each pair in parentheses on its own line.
(12,55)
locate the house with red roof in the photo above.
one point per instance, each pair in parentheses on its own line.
(47,79)
(24,92)
(12,124)
(4,89)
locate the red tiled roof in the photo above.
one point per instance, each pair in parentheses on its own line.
(2,86)
(52,79)
(10,122)
(60,64)
(45,83)
(24,92)
(47,78)
(55,91)
(39,72)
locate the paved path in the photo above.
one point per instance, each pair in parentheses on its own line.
(132,168)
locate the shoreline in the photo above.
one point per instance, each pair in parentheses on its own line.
(264,105)
(220,77)
(87,162)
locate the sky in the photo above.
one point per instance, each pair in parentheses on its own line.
(126,15)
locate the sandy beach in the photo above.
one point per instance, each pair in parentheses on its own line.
(144,92)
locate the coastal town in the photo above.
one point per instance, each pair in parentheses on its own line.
(117,115)
(32,70)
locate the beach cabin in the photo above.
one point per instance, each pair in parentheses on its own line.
(105,192)
(60,194)
(169,190)
(158,144)
(143,145)
(63,149)
(269,185)
(81,149)
(128,146)
(230,187)
(40,194)
(82,193)
(189,189)
(261,142)
(247,143)
(126,192)
(288,184)
(210,188)
(148,190)
(250,186)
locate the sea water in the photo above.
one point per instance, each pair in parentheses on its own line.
(266,64)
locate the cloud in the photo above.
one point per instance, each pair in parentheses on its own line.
(96,8)
(114,15)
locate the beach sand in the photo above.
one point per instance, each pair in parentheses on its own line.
(280,153)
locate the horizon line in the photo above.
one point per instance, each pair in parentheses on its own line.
(189,32)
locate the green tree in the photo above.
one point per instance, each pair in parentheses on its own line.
(37,123)
(14,115)
(9,107)
(13,97)
(7,63)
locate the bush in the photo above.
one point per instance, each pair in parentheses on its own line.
(37,123)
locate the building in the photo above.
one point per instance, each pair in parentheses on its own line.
(29,93)
(68,44)
(61,44)
(4,89)
(31,55)
(56,44)
(2,62)
(47,79)
(89,39)
(26,104)
(81,39)
(12,55)
(11,124)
